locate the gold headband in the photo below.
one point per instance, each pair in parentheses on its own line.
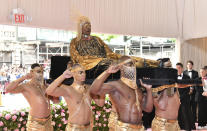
(77,69)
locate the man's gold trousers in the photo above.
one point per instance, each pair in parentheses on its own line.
(39,124)
(121,126)
(113,117)
(161,124)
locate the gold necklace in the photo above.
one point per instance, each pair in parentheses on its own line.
(79,88)
(39,86)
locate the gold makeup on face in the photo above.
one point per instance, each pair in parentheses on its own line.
(77,69)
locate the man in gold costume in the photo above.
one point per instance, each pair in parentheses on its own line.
(166,112)
(77,97)
(166,104)
(90,51)
(127,99)
(93,54)
(39,118)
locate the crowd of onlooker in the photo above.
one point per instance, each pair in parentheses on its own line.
(10,73)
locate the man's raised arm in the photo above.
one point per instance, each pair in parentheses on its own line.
(99,87)
(147,103)
(16,86)
(54,89)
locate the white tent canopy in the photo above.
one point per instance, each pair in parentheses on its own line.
(183,19)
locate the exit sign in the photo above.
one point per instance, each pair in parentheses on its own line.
(18,16)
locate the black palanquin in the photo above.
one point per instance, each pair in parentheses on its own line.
(155,76)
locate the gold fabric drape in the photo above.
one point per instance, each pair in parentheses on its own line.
(88,59)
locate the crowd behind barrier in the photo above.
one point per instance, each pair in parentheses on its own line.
(9,73)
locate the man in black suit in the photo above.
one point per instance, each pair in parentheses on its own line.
(201,101)
(193,75)
(185,115)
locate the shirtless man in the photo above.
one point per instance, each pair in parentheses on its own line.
(77,97)
(39,118)
(166,112)
(127,98)
(166,104)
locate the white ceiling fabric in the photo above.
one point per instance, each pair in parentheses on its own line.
(185,19)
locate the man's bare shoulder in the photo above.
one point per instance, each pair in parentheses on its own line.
(65,86)
(26,85)
(21,88)
(114,83)
(30,86)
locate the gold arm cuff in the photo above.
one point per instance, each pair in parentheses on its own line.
(160,88)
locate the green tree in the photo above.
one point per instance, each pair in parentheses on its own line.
(106,37)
